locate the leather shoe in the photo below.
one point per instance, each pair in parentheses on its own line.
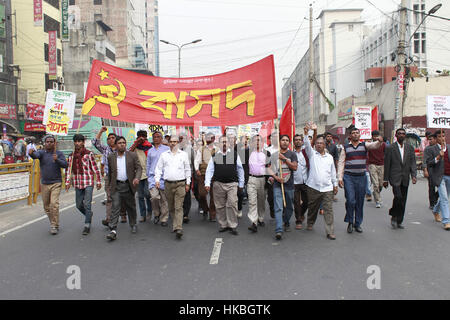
(393,223)
(278,236)
(358,229)
(111,236)
(261,223)
(134,229)
(331,236)
(185,220)
(253,228)
(234,231)
(156,220)
(350,228)
(179,234)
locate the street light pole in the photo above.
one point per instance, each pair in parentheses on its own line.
(402,44)
(179,51)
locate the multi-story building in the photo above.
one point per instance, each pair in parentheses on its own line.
(337,67)
(8,72)
(88,41)
(426,51)
(31,48)
(133,31)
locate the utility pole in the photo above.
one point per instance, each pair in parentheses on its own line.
(401,54)
(311,63)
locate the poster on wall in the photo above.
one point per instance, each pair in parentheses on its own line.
(59,111)
(438,112)
(37,8)
(363,121)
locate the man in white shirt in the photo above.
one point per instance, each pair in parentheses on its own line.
(124,173)
(174,167)
(31,146)
(300,178)
(322,183)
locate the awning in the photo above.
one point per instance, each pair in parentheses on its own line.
(343,124)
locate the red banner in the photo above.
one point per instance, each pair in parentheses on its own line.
(52,55)
(37,8)
(287,121)
(35,111)
(35,127)
(241,96)
(8,111)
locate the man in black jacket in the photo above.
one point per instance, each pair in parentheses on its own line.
(438,162)
(399,164)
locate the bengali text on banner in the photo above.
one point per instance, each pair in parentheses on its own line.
(245,95)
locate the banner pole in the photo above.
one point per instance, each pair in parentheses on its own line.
(292,120)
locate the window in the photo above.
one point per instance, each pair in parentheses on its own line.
(54,3)
(423,35)
(2,21)
(58,57)
(416,46)
(424,46)
(58,54)
(423,7)
(48,82)
(416,36)
(51,24)
(110,55)
(97,2)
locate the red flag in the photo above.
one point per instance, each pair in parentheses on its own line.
(287,122)
(375,118)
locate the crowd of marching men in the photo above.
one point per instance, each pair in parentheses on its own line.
(302,182)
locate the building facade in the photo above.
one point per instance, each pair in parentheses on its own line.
(133,31)
(337,67)
(8,72)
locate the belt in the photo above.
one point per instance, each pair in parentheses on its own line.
(118,181)
(167,181)
(252,175)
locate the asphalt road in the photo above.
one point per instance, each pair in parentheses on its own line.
(152,264)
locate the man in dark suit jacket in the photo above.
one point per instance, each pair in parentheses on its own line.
(399,164)
(123,176)
(438,162)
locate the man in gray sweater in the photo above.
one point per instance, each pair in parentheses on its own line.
(51,162)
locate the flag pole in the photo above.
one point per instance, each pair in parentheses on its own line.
(292,120)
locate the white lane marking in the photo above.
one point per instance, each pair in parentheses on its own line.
(216,251)
(40,218)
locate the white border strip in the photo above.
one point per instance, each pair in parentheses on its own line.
(40,218)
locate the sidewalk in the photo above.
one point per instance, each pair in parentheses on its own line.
(18,213)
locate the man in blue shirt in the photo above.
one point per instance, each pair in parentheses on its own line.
(158,198)
(51,162)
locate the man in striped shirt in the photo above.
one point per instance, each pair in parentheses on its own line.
(80,174)
(352,176)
